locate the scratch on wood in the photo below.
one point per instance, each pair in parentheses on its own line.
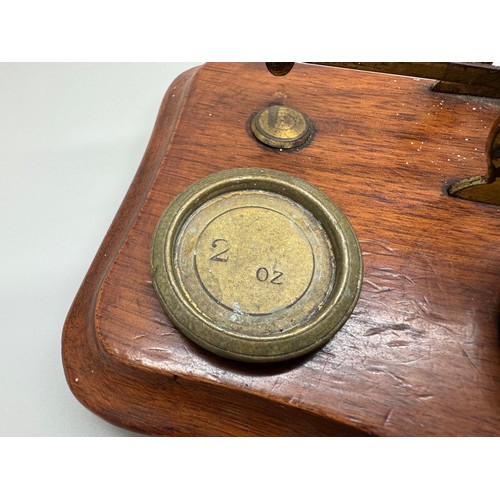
(467,357)
(277,382)
(398,343)
(378,288)
(377,330)
(161,320)
(400,380)
(388,416)
(389,273)
(425,396)
(323,369)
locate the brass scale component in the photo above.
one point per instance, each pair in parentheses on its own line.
(257,265)
(474,79)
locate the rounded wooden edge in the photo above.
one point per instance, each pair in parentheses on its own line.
(139,400)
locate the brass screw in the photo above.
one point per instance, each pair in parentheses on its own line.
(281,127)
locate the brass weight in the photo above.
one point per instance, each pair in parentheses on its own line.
(256,265)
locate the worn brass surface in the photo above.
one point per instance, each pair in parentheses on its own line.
(483,188)
(256,265)
(281,127)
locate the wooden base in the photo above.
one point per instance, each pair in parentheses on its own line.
(419,356)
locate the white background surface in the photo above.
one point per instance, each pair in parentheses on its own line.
(71,139)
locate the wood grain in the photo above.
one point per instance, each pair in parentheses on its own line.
(419,356)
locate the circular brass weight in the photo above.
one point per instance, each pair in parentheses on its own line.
(256,265)
(281,127)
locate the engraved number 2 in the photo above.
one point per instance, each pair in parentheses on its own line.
(220,244)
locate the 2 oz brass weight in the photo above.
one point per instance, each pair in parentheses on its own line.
(256,265)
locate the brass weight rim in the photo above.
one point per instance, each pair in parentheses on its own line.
(236,334)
